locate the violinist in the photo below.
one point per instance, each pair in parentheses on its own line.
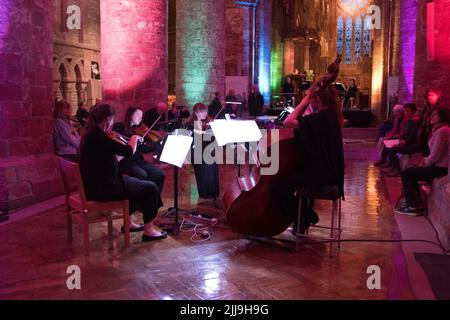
(317,121)
(136,166)
(158,115)
(206,175)
(101,176)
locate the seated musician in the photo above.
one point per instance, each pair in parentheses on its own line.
(319,139)
(136,166)
(206,175)
(152,115)
(178,112)
(100,171)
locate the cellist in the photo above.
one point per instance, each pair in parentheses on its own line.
(317,121)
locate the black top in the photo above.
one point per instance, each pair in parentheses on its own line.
(99,167)
(288,88)
(319,139)
(82,116)
(255,104)
(146,147)
(215,107)
(150,117)
(411,132)
(351,91)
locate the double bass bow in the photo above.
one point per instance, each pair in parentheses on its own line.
(248,203)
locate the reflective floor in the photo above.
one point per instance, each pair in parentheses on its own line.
(35,254)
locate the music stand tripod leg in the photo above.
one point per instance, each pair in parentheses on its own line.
(174,228)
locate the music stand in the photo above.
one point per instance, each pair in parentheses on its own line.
(235,132)
(175,151)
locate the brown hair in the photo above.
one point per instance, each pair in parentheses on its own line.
(58,109)
(198,107)
(127,122)
(98,114)
(329,99)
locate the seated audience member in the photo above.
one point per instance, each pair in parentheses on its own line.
(66,141)
(433,166)
(408,144)
(432,99)
(393,133)
(82,113)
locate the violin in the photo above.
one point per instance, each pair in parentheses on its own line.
(145,132)
(118,137)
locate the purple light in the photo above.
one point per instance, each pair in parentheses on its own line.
(408,43)
(5,9)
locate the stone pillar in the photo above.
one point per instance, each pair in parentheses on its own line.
(28,168)
(200,50)
(306,55)
(134,65)
(408,23)
(264,29)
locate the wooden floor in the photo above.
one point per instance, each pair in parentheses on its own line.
(34,256)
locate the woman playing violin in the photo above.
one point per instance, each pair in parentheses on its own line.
(135,165)
(101,176)
(206,175)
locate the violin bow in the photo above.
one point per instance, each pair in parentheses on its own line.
(151,127)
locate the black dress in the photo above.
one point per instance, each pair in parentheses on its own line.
(102,179)
(255,104)
(206,175)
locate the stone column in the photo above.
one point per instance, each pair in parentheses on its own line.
(264,30)
(28,171)
(200,52)
(134,65)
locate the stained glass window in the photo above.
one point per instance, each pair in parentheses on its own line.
(340,35)
(358,33)
(348,40)
(367,44)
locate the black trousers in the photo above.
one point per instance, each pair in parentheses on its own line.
(411,176)
(143,170)
(283,192)
(394,162)
(144,196)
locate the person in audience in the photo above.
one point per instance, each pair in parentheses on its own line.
(407,143)
(396,132)
(255,102)
(433,166)
(432,98)
(101,176)
(82,113)
(66,141)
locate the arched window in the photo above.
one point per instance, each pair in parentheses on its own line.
(348,40)
(340,35)
(366,41)
(63,81)
(358,34)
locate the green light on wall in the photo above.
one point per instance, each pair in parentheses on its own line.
(276,69)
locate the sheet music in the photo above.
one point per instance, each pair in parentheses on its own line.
(391,143)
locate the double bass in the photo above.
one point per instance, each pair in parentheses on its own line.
(248,203)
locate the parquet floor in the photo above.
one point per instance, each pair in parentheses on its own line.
(34,256)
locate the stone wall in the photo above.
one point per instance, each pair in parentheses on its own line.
(439,208)
(28,170)
(134,53)
(200,52)
(74,52)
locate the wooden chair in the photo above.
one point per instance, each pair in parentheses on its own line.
(77,206)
